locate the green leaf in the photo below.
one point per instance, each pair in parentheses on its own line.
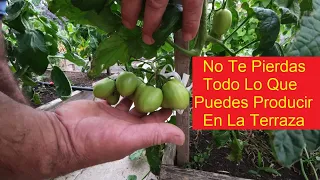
(276,50)
(85,5)
(306,42)
(270,170)
(108,53)
(61,82)
(305,6)
(290,11)
(33,51)
(173,120)
(221,138)
(14,10)
(231,4)
(36,99)
(136,155)
(288,145)
(268,27)
(154,156)
(79,61)
(106,20)
(136,47)
(247,7)
(132,177)
(236,150)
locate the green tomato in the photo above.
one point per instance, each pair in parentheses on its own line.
(138,91)
(104,88)
(126,83)
(140,82)
(221,22)
(113,98)
(149,99)
(175,95)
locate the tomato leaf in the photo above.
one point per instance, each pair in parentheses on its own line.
(110,51)
(33,51)
(290,11)
(61,82)
(132,177)
(14,10)
(306,42)
(288,145)
(136,155)
(231,4)
(106,20)
(306,6)
(268,27)
(154,158)
(276,50)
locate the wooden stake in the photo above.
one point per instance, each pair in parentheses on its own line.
(182,64)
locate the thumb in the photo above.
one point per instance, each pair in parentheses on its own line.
(150,134)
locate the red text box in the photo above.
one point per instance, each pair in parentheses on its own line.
(248,93)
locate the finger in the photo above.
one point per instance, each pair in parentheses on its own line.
(150,134)
(130,10)
(154,11)
(124,105)
(158,117)
(136,113)
(192,11)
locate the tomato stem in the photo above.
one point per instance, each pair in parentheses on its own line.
(224,4)
(185,51)
(214,40)
(202,29)
(243,23)
(311,165)
(303,170)
(247,45)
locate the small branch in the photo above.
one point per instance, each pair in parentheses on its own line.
(246,46)
(313,168)
(224,4)
(214,40)
(303,171)
(186,52)
(243,23)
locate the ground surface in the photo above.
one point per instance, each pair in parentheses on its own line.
(48,94)
(218,163)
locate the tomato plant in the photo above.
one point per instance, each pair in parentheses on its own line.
(93,30)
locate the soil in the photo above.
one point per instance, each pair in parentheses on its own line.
(218,163)
(48,93)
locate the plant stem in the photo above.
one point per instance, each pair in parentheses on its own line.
(303,171)
(243,23)
(185,51)
(249,44)
(201,41)
(214,40)
(224,4)
(314,169)
(146,175)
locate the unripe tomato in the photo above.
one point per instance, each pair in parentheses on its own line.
(104,88)
(140,81)
(126,84)
(113,98)
(149,99)
(175,95)
(222,21)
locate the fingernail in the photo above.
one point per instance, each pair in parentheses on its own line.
(179,140)
(126,24)
(147,39)
(187,37)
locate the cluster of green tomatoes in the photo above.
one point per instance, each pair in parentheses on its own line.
(172,95)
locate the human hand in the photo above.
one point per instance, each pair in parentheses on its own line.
(99,133)
(154,10)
